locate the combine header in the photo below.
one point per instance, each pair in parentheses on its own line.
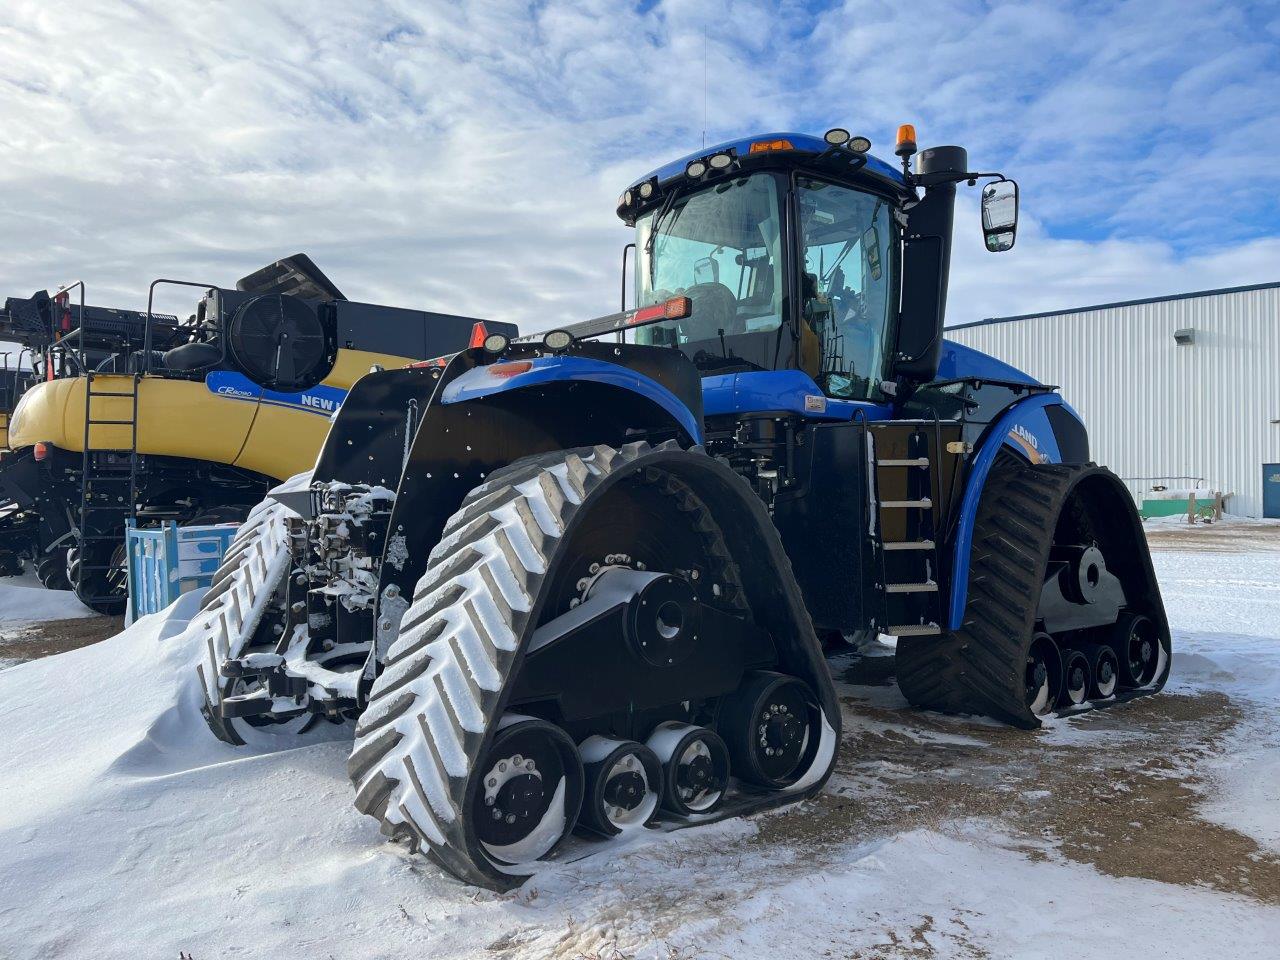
(586,578)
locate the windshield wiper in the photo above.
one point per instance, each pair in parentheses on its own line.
(650,240)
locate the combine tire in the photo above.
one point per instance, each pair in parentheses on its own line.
(998,662)
(449,754)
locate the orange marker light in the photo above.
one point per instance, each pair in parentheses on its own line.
(40,450)
(906,140)
(763,146)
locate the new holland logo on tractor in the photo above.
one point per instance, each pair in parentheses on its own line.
(124,416)
(585,579)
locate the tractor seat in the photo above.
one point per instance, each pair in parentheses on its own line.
(192,356)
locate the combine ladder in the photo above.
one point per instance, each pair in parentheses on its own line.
(905,541)
(108,487)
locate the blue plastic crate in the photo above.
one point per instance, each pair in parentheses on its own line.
(168,561)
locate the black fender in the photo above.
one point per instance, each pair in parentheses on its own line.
(457,445)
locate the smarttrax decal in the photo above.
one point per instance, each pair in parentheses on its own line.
(319,399)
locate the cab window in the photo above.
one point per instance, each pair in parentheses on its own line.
(848,239)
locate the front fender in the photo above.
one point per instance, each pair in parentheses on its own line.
(1025,429)
(542,374)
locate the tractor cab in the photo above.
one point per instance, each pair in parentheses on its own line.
(805,254)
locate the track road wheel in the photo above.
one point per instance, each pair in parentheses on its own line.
(1104,671)
(594,590)
(695,767)
(1077,679)
(530,793)
(624,785)
(770,725)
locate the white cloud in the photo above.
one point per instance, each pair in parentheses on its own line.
(466,157)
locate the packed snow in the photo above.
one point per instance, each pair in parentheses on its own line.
(126,830)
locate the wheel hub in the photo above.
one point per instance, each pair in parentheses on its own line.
(697,773)
(519,799)
(781,732)
(625,791)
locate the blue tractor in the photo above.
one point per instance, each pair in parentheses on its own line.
(588,579)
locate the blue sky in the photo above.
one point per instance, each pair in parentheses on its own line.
(465,157)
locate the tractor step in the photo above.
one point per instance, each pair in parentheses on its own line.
(922,504)
(910,588)
(910,545)
(914,630)
(912,462)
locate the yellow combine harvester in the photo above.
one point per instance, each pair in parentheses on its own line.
(136,416)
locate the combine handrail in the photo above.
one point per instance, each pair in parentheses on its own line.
(146,333)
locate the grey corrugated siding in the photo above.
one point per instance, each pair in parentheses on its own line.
(1154,408)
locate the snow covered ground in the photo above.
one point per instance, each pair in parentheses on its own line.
(127,831)
(23,602)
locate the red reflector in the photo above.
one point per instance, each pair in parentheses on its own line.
(40,450)
(677,308)
(433,362)
(513,369)
(478,335)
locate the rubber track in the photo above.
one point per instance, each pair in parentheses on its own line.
(432,706)
(980,667)
(238,595)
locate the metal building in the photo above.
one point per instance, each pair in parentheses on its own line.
(1170,387)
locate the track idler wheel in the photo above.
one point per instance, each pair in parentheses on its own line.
(1138,650)
(530,791)
(695,767)
(623,785)
(1043,675)
(770,725)
(1077,678)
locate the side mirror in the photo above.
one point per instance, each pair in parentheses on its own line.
(1000,215)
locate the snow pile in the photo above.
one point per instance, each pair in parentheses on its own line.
(126,830)
(23,600)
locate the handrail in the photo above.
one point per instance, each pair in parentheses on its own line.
(146,335)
